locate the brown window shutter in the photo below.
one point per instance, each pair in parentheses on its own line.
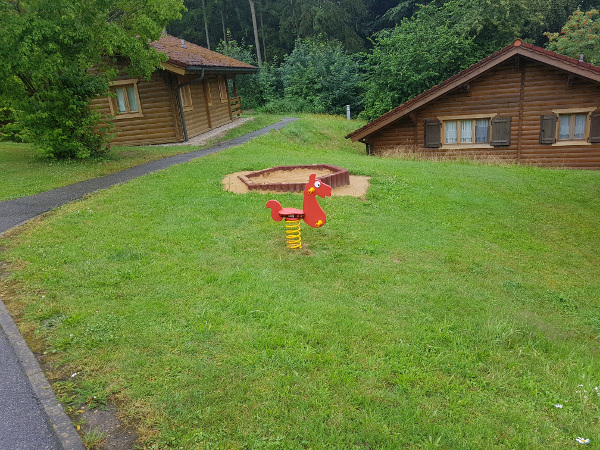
(548,129)
(595,128)
(500,131)
(433,130)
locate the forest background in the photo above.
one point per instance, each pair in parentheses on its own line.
(315,56)
(321,55)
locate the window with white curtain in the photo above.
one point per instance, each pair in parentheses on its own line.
(450,134)
(572,126)
(467,131)
(482,130)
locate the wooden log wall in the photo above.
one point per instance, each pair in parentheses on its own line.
(520,88)
(159,122)
(196,119)
(220,111)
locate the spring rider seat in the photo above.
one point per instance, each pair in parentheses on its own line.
(311,211)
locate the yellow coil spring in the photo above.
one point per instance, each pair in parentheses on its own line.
(292,233)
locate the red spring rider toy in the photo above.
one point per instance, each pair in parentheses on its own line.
(311,211)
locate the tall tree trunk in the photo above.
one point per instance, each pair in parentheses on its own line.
(262,29)
(256,41)
(205,24)
(223,22)
(295,21)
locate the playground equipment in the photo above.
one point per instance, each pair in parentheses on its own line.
(311,211)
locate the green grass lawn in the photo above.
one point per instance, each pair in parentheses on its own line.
(24,172)
(454,306)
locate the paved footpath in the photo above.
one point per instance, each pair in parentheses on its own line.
(30,416)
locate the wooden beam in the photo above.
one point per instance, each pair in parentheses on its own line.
(173,68)
(521,105)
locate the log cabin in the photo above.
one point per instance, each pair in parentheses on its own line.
(523,103)
(188,96)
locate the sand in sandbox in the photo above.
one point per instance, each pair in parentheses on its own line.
(358,184)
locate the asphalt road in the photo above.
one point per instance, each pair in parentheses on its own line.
(24,423)
(30,416)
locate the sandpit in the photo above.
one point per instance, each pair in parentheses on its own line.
(357,186)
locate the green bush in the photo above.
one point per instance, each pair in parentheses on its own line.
(292,105)
(257,89)
(322,73)
(59,120)
(411,58)
(317,77)
(10,129)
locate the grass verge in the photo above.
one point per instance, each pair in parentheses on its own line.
(455,306)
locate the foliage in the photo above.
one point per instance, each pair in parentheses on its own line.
(451,303)
(579,36)
(60,121)
(337,20)
(322,76)
(10,129)
(428,44)
(442,38)
(254,89)
(280,23)
(49,47)
(417,54)
(318,77)
(352,22)
(494,24)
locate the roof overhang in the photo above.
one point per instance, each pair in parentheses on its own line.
(583,70)
(179,70)
(240,70)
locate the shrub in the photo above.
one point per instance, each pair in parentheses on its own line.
(292,105)
(322,73)
(59,120)
(10,129)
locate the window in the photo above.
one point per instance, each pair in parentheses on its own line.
(479,131)
(482,130)
(185,94)
(572,126)
(567,127)
(223,90)
(124,101)
(466,131)
(207,93)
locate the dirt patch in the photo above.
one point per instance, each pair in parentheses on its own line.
(357,188)
(112,434)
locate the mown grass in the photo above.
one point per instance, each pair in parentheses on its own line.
(455,306)
(25,172)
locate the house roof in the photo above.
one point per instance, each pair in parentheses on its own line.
(574,66)
(185,57)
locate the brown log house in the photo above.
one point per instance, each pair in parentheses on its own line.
(523,104)
(194,92)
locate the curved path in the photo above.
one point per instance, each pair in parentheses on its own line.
(30,416)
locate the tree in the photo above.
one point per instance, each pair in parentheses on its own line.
(56,59)
(255,28)
(255,89)
(205,24)
(419,53)
(322,76)
(579,36)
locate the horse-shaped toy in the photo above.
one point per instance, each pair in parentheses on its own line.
(311,211)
